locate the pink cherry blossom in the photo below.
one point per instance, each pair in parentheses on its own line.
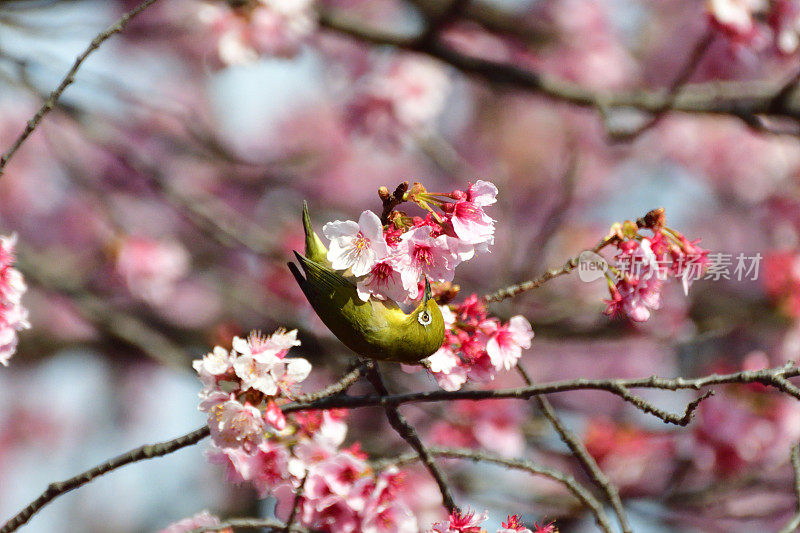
(213,366)
(635,298)
(194,523)
(422,254)
(13,316)
(462,522)
(513,524)
(506,342)
(261,363)
(735,17)
(235,424)
(151,268)
(383,281)
(470,223)
(265,348)
(274,416)
(266,467)
(447,370)
(356,246)
(404,95)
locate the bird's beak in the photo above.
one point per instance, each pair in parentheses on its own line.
(427,295)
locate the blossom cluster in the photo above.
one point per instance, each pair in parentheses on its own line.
(253,28)
(151,268)
(241,387)
(476,346)
(470,522)
(756,23)
(13,316)
(402,95)
(341,492)
(648,261)
(388,260)
(258,445)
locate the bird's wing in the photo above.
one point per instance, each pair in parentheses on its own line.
(323,279)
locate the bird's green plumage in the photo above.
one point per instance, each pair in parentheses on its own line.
(378,329)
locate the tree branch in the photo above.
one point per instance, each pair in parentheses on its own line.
(409,434)
(69,78)
(743,100)
(580,452)
(141,453)
(767,376)
(583,495)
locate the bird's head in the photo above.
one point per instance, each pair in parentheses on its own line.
(429,317)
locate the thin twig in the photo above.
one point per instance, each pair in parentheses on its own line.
(580,452)
(569,266)
(794,522)
(340,386)
(647,221)
(69,78)
(670,418)
(409,434)
(583,495)
(141,453)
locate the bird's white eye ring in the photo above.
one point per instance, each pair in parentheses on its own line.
(424,318)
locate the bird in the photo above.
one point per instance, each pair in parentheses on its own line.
(375,329)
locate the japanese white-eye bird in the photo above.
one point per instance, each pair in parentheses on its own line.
(377,329)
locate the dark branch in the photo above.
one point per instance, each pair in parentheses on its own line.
(743,100)
(56,489)
(409,434)
(580,452)
(583,495)
(768,376)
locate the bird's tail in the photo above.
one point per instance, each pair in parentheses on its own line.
(315,250)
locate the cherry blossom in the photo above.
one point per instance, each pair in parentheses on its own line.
(470,223)
(383,281)
(476,347)
(462,522)
(13,316)
(513,524)
(194,523)
(151,268)
(258,27)
(401,96)
(356,246)
(506,342)
(645,263)
(235,424)
(423,254)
